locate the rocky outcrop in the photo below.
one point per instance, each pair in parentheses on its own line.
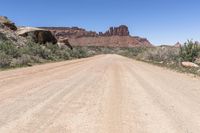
(5,22)
(37,35)
(116,31)
(114,37)
(8,33)
(19,36)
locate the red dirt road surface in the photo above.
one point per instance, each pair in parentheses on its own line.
(101,94)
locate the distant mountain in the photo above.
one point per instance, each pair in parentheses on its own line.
(114,37)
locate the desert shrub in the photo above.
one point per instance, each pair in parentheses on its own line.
(79,52)
(33,49)
(2,37)
(57,53)
(189,51)
(53,47)
(63,54)
(13,56)
(37,59)
(163,53)
(131,52)
(5,59)
(21,61)
(9,49)
(106,50)
(46,54)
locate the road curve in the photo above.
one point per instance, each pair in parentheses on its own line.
(101,94)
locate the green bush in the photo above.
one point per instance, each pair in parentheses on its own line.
(33,49)
(79,52)
(24,60)
(63,54)
(160,54)
(5,59)
(9,49)
(190,51)
(131,52)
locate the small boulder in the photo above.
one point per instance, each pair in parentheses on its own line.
(64,42)
(189,64)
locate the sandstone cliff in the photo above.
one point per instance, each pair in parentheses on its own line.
(114,37)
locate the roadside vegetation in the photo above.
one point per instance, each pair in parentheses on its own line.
(166,56)
(12,56)
(33,53)
(172,57)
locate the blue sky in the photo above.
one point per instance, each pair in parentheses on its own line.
(161,21)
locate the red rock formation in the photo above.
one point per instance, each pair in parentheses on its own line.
(115,36)
(110,41)
(116,31)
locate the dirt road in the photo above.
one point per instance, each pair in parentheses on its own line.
(101,94)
